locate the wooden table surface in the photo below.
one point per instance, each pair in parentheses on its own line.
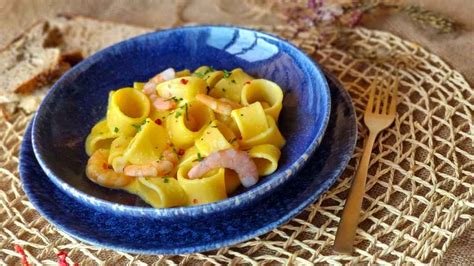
(455,48)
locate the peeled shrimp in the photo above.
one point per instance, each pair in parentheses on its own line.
(150,89)
(232,104)
(220,106)
(237,160)
(98,171)
(160,168)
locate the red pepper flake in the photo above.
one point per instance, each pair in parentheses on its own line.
(62,255)
(158,121)
(181,152)
(248,82)
(105,166)
(24,261)
(184,81)
(195,201)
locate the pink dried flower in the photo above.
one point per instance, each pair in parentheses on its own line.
(351,18)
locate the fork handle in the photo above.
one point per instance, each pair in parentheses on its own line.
(350,215)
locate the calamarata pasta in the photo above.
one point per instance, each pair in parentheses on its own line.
(187,138)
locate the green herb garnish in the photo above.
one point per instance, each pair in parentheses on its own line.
(233,81)
(165,180)
(178,114)
(226,73)
(174,99)
(139,127)
(186,111)
(116,130)
(199,158)
(202,74)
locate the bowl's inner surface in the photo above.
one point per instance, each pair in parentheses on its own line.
(79,99)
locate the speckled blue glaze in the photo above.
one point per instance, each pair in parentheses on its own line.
(78,100)
(155,235)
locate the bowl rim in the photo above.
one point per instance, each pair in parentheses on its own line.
(231,202)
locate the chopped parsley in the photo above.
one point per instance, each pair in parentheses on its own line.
(199,158)
(241,114)
(116,130)
(177,114)
(139,127)
(186,111)
(174,99)
(226,73)
(202,74)
(223,89)
(214,126)
(233,81)
(165,180)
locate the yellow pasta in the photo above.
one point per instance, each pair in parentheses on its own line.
(266,158)
(185,128)
(229,122)
(117,149)
(99,138)
(191,155)
(209,75)
(138,85)
(230,86)
(207,189)
(159,192)
(180,89)
(216,137)
(169,145)
(127,108)
(183,73)
(147,145)
(251,120)
(268,93)
(270,136)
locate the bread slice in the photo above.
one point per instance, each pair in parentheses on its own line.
(25,62)
(45,51)
(90,35)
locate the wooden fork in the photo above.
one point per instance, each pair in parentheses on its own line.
(377,117)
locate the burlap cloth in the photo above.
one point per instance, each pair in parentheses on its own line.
(420,184)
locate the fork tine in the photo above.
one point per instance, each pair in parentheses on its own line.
(370,104)
(393,103)
(379,99)
(386,94)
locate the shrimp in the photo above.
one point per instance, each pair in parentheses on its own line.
(237,160)
(233,104)
(150,89)
(160,168)
(220,106)
(98,171)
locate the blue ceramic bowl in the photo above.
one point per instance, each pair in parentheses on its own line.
(79,99)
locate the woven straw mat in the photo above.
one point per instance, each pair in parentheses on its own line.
(419,190)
